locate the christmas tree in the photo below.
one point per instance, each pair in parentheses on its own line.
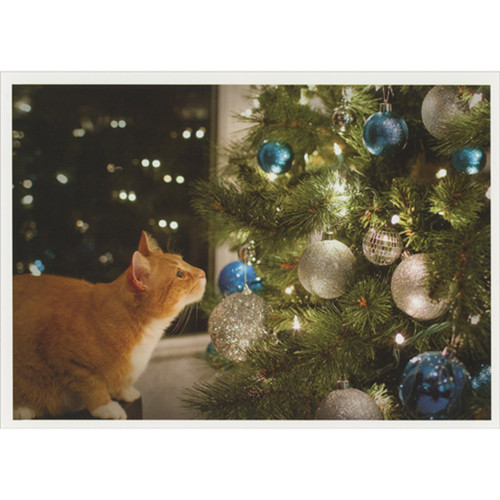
(364,212)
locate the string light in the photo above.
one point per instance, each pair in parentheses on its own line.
(167,178)
(62,178)
(27,183)
(27,200)
(474,320)
(174,225)
(180,179)
(187,133)
(296,324)
(289,289)
(132,196)
(34,269)
(162,223)
(79,132)
(399,338)
(23,106)
(123,195)
(272,176)
(442,172)
(145,162)
(337,149)
(200,133)
(114,123)
(122,123)
(395,219)
(156,163)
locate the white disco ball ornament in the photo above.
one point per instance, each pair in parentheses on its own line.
(382,246)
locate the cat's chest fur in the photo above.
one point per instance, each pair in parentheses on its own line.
(141,352)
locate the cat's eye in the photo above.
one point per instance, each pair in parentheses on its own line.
(180,274)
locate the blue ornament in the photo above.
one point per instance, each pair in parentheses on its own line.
(469,160)
(275,157)
(385,133)
(211,350)
(481,382)
(232,278)
(434,386)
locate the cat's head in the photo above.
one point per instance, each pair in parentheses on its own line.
(165,280)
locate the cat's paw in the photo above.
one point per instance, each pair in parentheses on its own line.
(129,394)
(23,413)
(110,411)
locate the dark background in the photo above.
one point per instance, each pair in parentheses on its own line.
(94,138)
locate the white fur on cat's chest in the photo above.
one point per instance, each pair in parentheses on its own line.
(141,352)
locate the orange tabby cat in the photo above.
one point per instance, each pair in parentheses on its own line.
(79,345)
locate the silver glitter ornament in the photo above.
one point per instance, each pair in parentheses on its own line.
(325,267)
(382,246)
(409,290)
(438,106)
(348,404)
(236,323)
(342,117)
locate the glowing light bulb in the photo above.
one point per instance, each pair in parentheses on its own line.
(113,123)
(162,223)
(296,324)
(395,219)
(122,123)
(27,183)
(200,133)
(399,338)
(123,195)
(289,289)
(62,178)
(145,162)
(167,178)
(474,320)
(156,163)
(337,149)
(174,225)
(180,179)
(78,132)
(272,176)
(442,172)
(27,200)
(187,133)
(132,196)
(34,270)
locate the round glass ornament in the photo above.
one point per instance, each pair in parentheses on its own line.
(325,268)
(481,382)
(385,133)
(275,157)
(348,404)
(382,246)
(236,323)
(342,118)
(469,160)
(409,290)
(232,278)
(434,385)
(440,104)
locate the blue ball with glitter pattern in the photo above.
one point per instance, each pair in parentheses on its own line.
(232,278)
(469,160)
(434,386)
(275,157)
(385,133)
(481,382)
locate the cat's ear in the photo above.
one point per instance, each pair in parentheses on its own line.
(148,245)
(139,271)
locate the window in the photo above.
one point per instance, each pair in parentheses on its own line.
(94,165)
